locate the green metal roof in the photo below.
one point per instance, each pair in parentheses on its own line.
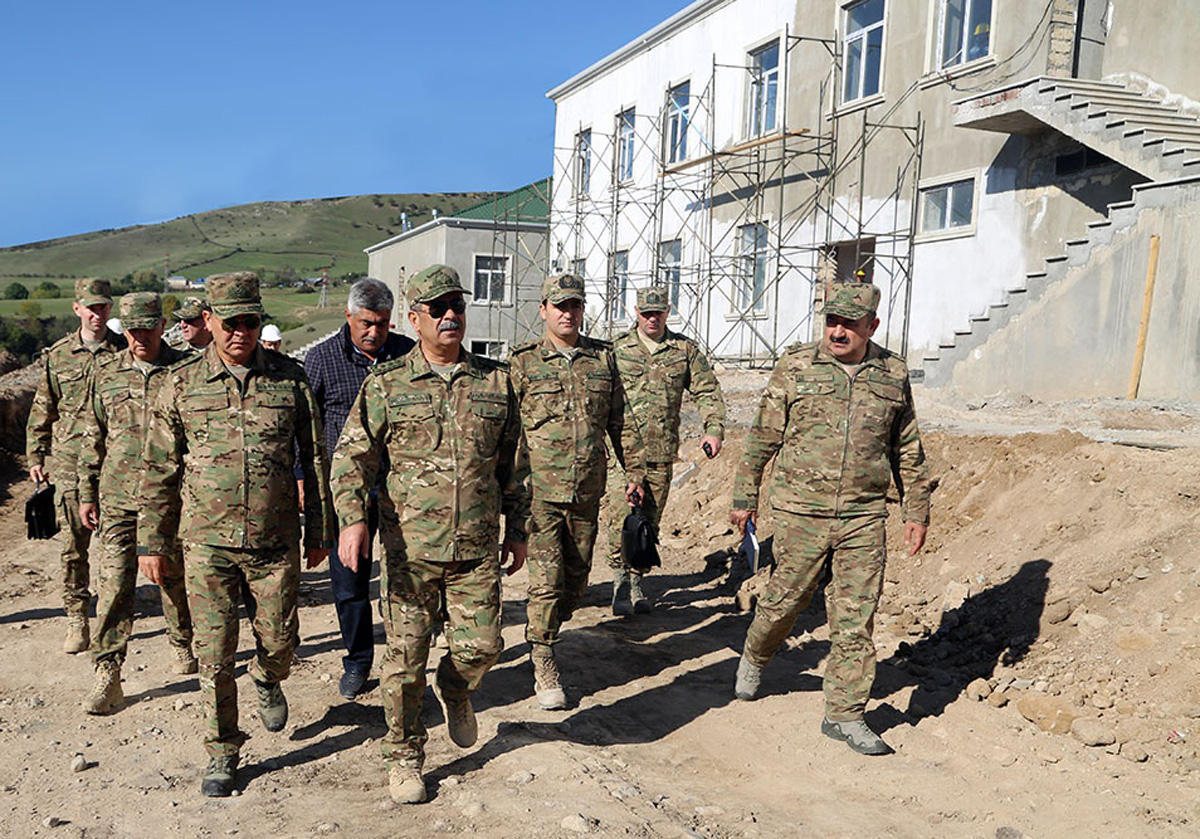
(530,203)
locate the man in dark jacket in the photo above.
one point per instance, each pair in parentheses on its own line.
(336,369)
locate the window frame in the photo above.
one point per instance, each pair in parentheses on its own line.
(476,299)
(945,182)
(754,127)
(677,122)
(618,287)
(670,274)
(582,163)
(503,347)
(626,145)
(863,34)
(748,304)
(940,64)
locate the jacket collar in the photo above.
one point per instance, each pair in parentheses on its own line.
(418,365)
(873,358)
(586,346)
(216,367)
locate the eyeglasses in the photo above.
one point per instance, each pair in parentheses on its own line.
(246,323)
(197,321)
(437,308)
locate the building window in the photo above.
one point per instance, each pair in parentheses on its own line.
(618,284)
(625,145)
(678,103)
(764,89)
(947,206)
(752,268)
(489,347)
(490,279)
(669,262)
(966,31)
(583,162)
(579,268)
(863,49)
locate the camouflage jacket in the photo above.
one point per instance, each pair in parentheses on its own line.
(840,439)
(654,385)
(60,405)
(218,458)
(451,450)
(110,454)
(566,408)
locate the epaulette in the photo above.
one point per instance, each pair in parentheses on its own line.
(61,341)
(284,364)
(489,364)
(380,369)
(598,343)
(525,348)
(799,347)
(190,358)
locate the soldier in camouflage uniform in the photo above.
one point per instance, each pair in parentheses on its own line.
(657,366)
(224,433)
(571,395)
(447,422)
(839,413)
(56,421)
(190,334)
(110,465)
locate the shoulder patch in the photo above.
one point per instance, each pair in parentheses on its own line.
(380,369)
(190,358)
(525,347)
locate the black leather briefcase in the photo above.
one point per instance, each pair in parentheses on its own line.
(40,518)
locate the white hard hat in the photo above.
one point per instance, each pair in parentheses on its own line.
(114,324)
(271,333)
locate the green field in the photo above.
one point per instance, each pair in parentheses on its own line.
(296,237)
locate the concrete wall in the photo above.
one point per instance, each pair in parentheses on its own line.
(1155,39)
(1078,340)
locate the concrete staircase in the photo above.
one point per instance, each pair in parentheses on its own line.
(303,351)
(1154,139)
(1158,141)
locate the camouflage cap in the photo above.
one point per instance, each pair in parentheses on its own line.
(230,295)
(560,287)
(91,291)
(191,308)
(140,310)
(654,299)
(853,300)
(431,283)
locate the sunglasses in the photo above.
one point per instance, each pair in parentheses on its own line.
(437,308)
(197,321)
(246,323)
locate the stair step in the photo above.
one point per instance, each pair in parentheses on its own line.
(1135,108)
(1193,163)
(1099,223)
(1062,257)
(1077,84)
(1114,118)
(1105,96)
(1119,205)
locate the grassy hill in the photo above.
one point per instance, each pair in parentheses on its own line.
(300,237)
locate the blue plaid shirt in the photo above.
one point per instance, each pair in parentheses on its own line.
(336,370)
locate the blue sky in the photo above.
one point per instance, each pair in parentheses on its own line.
(129,112)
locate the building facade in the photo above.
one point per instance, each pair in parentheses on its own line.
(965,155)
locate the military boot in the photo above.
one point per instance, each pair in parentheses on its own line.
(272,705)
(546,682)
(405,784)
(460,716)
(185,662)
(79,636)
(856,735)
(641,603)
(621,604)
(221,776)
(106,695)
(749,676)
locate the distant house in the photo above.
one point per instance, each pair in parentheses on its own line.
(178,283)
(498,248)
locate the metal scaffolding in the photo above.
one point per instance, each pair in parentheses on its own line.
(746,236)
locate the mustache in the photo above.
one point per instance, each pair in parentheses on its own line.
(839,340)
(449,326)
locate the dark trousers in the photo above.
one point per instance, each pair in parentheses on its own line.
(352,598)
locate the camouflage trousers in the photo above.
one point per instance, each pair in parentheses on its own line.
(655,489)
(415,591)
(75,569)
(801,545)
(116,583)
(214,579)
(561,539)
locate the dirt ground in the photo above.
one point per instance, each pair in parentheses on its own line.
(1056,605)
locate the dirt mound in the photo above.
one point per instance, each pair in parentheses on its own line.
(16,395)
